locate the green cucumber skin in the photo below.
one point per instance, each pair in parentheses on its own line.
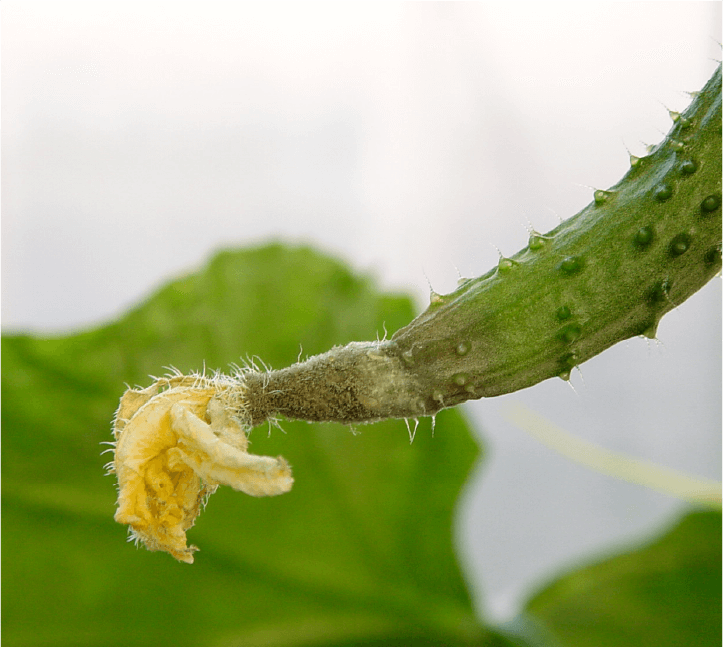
(607,274)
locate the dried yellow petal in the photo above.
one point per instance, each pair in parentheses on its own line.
(174,447)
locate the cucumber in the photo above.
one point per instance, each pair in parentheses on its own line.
(611,272)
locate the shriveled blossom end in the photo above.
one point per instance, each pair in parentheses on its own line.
(175,443)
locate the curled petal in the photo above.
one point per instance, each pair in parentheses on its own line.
(219,462)
(173,448)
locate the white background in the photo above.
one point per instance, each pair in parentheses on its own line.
(411,140)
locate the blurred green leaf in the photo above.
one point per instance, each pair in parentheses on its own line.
(359,552)
(667,594)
